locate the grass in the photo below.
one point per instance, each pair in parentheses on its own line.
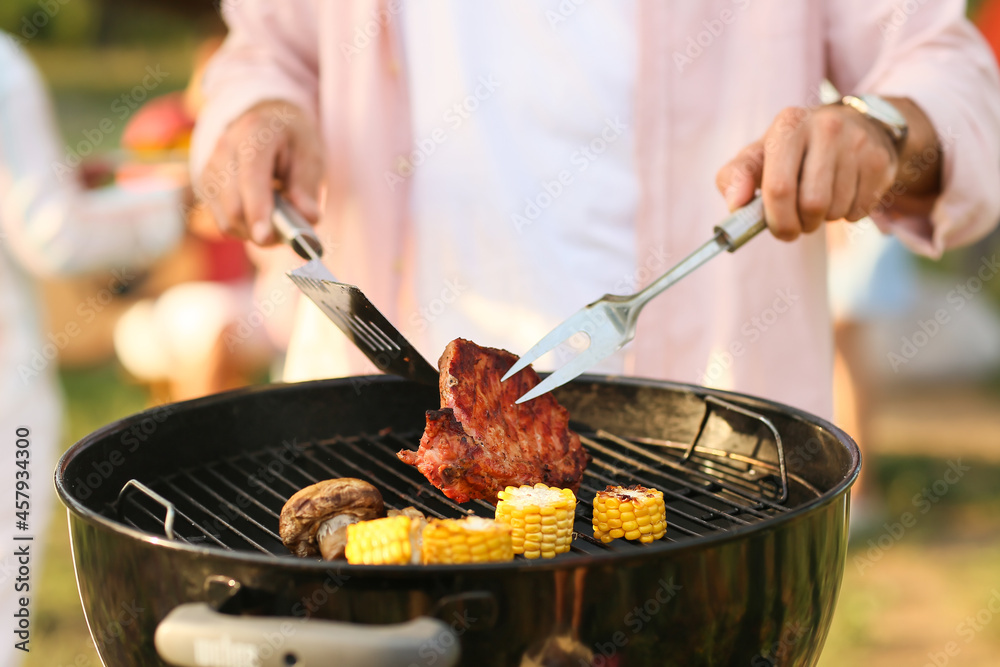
(904,600)
(915,601)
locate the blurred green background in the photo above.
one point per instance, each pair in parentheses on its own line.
(899,605)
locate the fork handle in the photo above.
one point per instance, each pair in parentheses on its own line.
(742,225)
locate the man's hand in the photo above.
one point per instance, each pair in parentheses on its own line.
(831,163)
(272,145)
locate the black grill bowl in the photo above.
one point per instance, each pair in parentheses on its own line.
(734,582)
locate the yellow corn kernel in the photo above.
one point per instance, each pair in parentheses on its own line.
(468,540)
(392,540)
(541,518)
(632,512)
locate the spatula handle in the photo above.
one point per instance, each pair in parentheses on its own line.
(294,230)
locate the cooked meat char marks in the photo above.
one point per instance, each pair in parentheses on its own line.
(448,457)
(480,441)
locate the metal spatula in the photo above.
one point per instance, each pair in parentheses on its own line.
(610,321)
(346,305)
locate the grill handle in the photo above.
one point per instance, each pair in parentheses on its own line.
(195,634)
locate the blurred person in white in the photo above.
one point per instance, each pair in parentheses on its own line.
(50,225)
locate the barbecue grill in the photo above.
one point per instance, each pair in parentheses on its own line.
(175,512)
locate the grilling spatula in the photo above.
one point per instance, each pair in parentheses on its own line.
(610,321)
(346,305)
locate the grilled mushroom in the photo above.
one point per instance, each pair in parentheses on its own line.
(314,521)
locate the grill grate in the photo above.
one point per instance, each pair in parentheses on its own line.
(234,503)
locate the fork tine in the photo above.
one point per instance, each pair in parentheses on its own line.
(548,343)
(570,370)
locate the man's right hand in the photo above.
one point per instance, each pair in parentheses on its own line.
(272,145)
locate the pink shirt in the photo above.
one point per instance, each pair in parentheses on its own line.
(711,77)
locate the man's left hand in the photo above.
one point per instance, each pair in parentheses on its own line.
(812,166)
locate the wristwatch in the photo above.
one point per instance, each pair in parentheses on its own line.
(882,112)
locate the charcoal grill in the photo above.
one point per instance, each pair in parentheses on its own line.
(756,499)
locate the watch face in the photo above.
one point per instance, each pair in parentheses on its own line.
(883,111)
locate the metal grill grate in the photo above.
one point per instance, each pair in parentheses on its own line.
(234,503)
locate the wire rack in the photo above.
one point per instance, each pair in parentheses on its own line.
(233,503)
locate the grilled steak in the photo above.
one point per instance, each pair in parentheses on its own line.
(480,441)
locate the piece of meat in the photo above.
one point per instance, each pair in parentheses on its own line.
(448,458)
(480,441)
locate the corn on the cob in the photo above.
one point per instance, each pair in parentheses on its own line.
(540,518)
(632,512)
(468,540)
(393,540)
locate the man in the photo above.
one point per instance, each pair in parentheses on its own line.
(488,168)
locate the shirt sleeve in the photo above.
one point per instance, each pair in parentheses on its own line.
(49,224)
(930,53)
(270,53)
